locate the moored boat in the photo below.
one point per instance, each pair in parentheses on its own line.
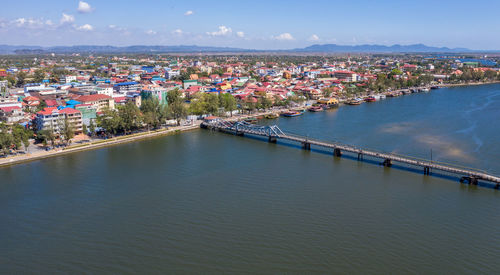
(292,113)
(355,101)
(316,109)
(271,116)
(370,99)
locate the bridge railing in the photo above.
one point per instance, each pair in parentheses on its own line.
(275,131)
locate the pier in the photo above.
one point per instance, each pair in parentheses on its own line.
(274,133)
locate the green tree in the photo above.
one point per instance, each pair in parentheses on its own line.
(131,117)
(176,107)
(21,79)
(67,130)
(110,121)
(39,76)
(228,102)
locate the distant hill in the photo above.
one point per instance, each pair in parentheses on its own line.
(7,49)
(326,48)
(416,48)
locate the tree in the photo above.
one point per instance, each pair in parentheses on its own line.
(228,102)
(154,113)
(20,79)
(39,76)
(6,141)
(46,136)
(176,107)
(21,136)
(110,121)
(67,130)
(131,117)
(92,127)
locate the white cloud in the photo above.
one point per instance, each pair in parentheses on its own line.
(284,37)
(240,34)
(223,31)
(314,38)
(67,18)
(36,23)
(84,7)
(177,32)
(188,13)
(85,27)
(20,21)
(151,32)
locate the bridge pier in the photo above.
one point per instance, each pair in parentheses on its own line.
(469,180)
(272,139)
(337,152)
(360,156)
(427,170)
(306,145)
(387,163)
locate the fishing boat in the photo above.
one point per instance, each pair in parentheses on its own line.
(370,99)
(316,109)
(292,113)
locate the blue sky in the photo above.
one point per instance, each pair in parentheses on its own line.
(255,24)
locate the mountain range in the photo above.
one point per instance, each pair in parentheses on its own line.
(325,48)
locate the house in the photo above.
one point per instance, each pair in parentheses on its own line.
(11,114)
(53,118)
(99,101)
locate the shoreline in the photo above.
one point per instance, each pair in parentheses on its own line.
(14,160)
(20,159)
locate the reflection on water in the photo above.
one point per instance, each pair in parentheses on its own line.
(206,202)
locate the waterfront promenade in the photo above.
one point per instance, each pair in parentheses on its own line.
(100,143)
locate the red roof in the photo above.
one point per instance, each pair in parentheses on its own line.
(69,111)
(10,108)
(51,102)
(47,111)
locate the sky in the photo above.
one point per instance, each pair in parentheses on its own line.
(251,24)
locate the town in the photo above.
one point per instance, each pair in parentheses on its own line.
(49,101)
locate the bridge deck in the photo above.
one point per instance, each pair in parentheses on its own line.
(275,132)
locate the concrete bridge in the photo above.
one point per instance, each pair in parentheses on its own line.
(274,133)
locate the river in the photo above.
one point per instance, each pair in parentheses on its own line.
(207,202)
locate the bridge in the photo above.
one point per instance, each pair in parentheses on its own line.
(274,133)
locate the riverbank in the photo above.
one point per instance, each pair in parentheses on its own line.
(13,160)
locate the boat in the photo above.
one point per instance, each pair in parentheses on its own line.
(328,103)
(425,90)
(316,109)
(251,120)
(271,116)
(407,92)
(434,87)
(370,99)
(292,113)
(355,101)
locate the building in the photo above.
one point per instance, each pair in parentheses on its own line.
(157,92)
(11,114)
(187,83)
(51,118)
(89,113)
(125,87)
(100,102)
